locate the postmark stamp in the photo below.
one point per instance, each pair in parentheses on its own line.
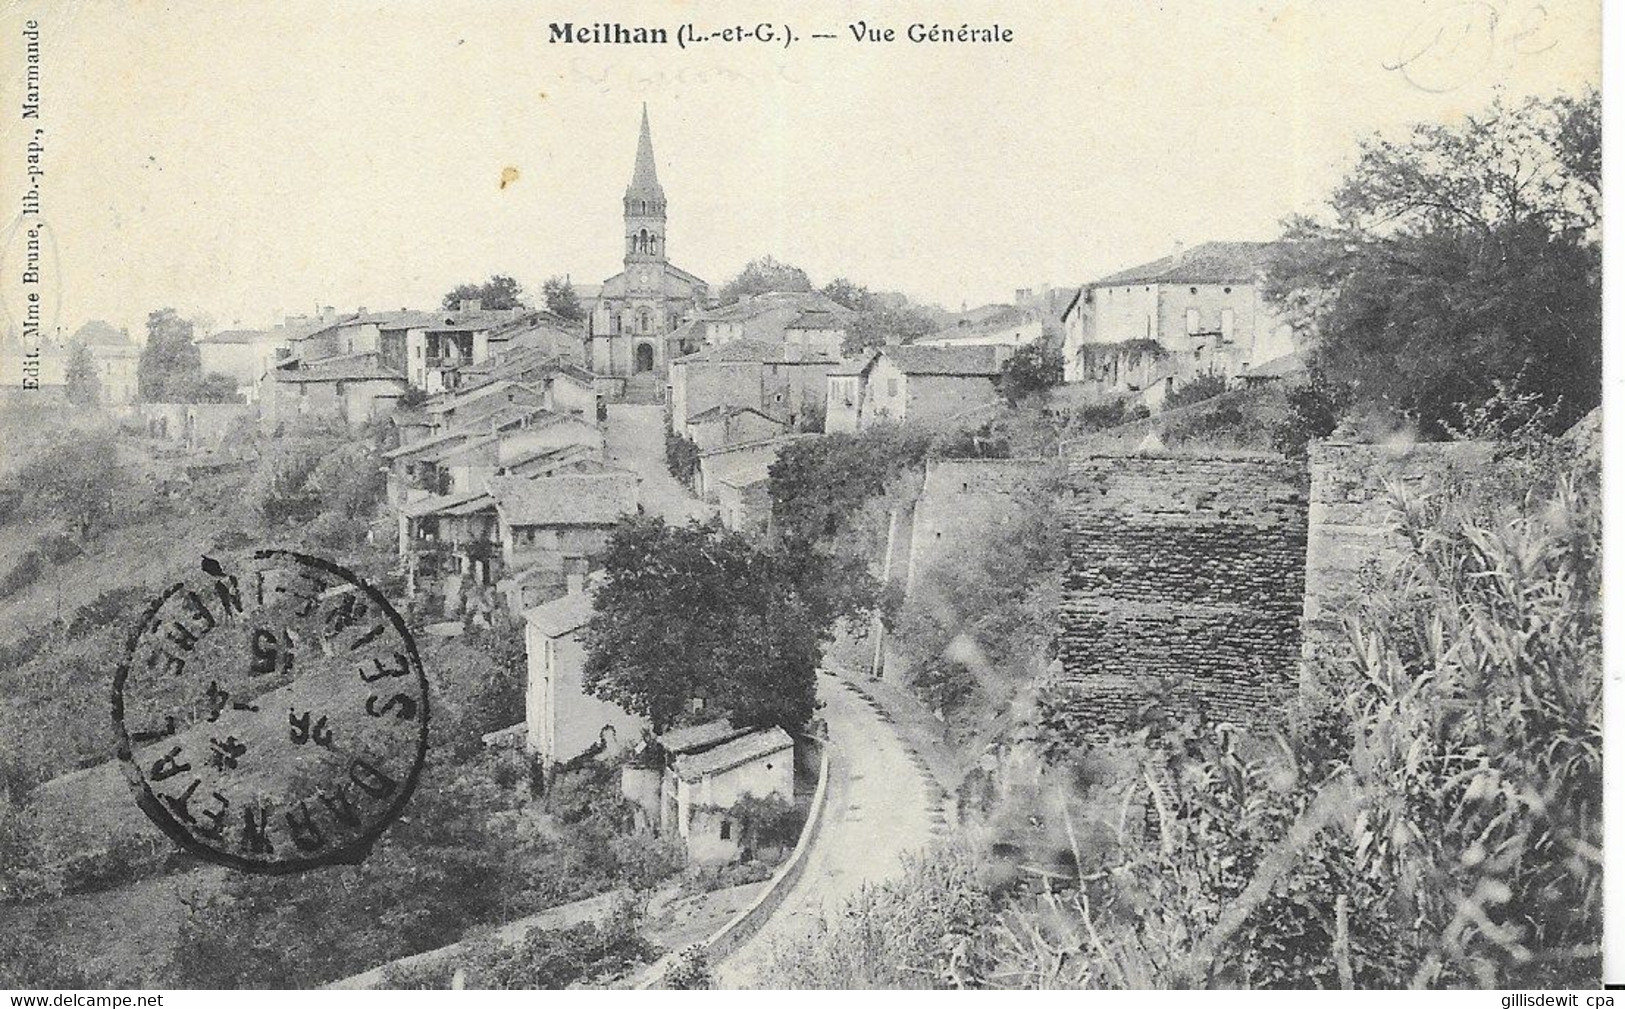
(273,717)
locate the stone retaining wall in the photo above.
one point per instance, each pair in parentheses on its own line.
(1185,581)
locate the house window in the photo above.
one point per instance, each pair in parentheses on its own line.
(891,386)
(1227,323)
(1193,319)
(727,830)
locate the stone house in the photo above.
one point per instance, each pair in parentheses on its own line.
(817,331)
(565,388)
(510,440)
(701,785)
(116,359)
(807,318)
(1202,310)
(845,387)
(354,388)
(923,385)
(450,542)
(732,461)
(551,528)
(743,498)
(774,378)
(732,425)
(541,333)
(465,406)
(562,720)
(244,354)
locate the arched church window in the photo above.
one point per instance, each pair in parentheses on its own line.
(643,321)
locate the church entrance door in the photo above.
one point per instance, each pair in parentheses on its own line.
(644,357)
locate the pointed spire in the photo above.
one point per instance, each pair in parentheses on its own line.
(644,180)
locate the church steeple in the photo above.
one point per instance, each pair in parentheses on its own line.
(645,205)
(645,183)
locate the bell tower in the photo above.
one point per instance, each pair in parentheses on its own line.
(645,215)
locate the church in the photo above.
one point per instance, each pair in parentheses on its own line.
(639,308)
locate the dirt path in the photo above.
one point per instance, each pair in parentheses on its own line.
(881,804)
(635,437)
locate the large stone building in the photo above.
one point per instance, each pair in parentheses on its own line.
(1199,311)
(638,307)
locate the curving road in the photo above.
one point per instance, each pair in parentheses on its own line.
(880,804)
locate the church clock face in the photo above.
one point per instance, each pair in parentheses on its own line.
(643,278)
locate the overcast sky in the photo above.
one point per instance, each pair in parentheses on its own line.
(248,159)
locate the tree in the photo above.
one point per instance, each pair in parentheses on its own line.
(763,275)
(169,360)
(1457,262)
(817,487)
(497,294)
(878,319)
(561,299)
(84,389)
(1033,368)
(697,612)
(76,478)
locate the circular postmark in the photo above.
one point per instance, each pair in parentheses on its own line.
(274,717)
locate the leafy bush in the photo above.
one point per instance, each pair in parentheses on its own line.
(1428,814)
(1033,368)
(924,930)
(682,458)
(1195,390)
(689,972)
(1313,411)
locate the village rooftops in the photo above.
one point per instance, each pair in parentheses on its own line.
(467,503)
(987,319)
(346,368)
(778,301)
(434,442)
(965,362)
(460,399)
(693,738)
(240,337)
(509,364)
(566,499)
(732,754)
(727,410)
(817,318)
(1208,263)
(558,617)
(854,365)
(754,351)
(98,333)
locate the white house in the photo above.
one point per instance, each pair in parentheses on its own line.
(1196,312)
(703,782)
(562,720)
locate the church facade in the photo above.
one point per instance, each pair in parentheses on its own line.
(637,311)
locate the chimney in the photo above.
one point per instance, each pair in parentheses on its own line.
(361,310)
(328,314)
(575,581)
(469,305)
(1179,253)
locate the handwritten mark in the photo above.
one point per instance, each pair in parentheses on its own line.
(1462,42)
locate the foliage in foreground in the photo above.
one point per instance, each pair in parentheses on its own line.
(1430,816)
